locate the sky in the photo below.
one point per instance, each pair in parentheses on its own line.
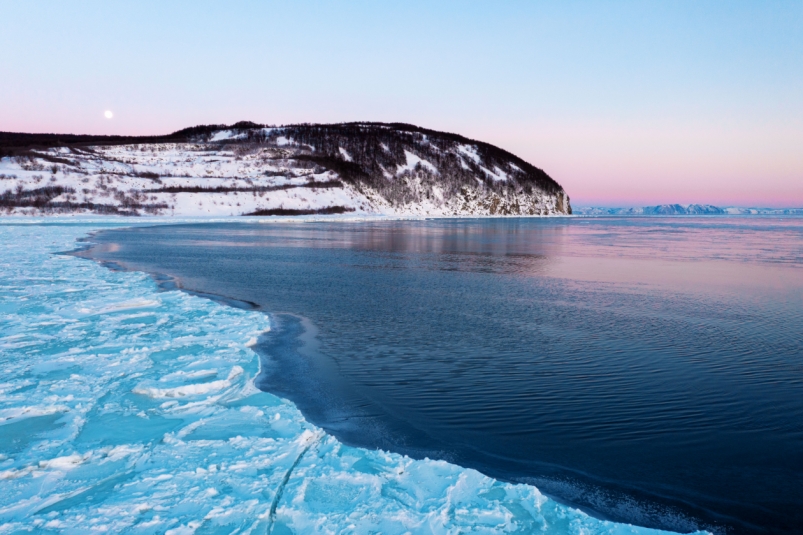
(623,103)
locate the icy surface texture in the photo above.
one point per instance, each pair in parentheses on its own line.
(123,409)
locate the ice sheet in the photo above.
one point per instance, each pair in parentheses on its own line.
(122,408)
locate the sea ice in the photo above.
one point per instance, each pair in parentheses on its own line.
(124,409)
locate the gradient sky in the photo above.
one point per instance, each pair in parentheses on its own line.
(623,103)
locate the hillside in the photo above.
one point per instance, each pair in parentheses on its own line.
(685,209)
(661,209)
(251,169)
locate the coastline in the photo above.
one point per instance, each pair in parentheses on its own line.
(437,480)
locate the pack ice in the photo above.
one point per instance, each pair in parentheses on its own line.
(125,409)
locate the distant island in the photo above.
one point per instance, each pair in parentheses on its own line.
(254,169)
(687,209)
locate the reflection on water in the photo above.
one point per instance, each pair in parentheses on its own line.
(647,369)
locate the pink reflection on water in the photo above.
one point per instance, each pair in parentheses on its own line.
(708,254)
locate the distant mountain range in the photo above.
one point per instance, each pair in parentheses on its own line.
(686,209)
(253,169)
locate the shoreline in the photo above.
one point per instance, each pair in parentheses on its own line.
(167,282)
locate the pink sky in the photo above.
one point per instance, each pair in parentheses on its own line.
(638,165)
(624,104)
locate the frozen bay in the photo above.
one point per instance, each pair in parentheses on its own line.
(127,409)
(646,369)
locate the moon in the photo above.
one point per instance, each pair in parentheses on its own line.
(108,114)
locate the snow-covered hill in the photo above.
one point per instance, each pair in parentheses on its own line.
(661,209)
(365,168)
(686,209)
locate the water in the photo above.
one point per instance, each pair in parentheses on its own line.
(124,409)
(649,370)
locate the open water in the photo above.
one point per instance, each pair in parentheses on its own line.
(647,370)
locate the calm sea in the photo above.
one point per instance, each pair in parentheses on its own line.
(646,370)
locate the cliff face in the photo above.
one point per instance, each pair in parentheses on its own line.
(251,169)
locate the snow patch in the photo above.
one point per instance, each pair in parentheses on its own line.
(497,174)
(470,152)
(223,135)
(411,161)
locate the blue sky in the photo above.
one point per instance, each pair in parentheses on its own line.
(621,102)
